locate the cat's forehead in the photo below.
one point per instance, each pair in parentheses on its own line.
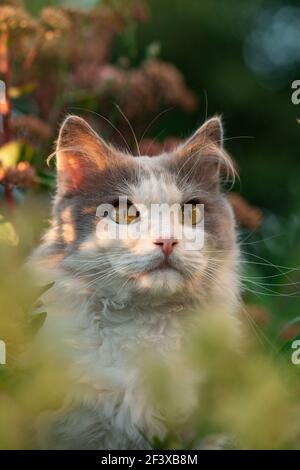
(155,184)
(155,188)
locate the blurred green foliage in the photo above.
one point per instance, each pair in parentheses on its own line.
(34,377)
(240,58)
(216,393)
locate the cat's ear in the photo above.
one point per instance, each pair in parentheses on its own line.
(210,133)
(80,152)
(203,157)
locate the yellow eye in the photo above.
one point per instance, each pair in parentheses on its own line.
(191,213)
(125,215)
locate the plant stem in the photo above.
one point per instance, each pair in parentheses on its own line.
(5,74)
(5,106)
(9,196)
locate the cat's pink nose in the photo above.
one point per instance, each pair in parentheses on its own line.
(166,245)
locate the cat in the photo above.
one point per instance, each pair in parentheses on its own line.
(112,295)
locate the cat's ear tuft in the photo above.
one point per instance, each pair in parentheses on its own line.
(203,157)
(79,152)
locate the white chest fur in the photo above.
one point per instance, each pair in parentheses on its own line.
(107,407)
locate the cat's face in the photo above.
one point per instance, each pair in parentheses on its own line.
(157,227)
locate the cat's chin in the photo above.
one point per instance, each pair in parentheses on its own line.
(161,281)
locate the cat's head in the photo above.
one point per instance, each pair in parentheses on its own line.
(125,252)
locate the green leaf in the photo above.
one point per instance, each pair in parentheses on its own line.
(8,234)
(46,180)
(14,152)
(19,91)
(7,378)
(26,152)
(35,294)
(10,153)
(37,321)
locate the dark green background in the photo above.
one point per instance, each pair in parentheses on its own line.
(207,40)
